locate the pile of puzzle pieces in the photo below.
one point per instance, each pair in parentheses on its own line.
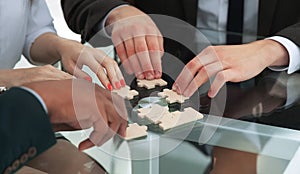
(156,114)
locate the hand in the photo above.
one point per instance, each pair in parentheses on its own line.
(138,42)
(229,63)
(78,104)
(17,77)
(74,55)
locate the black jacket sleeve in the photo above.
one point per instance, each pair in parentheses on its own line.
(292,33)
(84,16)
(25,129)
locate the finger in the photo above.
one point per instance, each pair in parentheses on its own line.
(92,62)
(100,130)
(85,145)
(121,51)
(221,78)
(109,66)
(78,73)
(155,55)
(119,75)
(101,74)
(106,137)
(141,49)
(122,128)
(133,60)
(70,69)
(203,75)
(118,110)
(186,75)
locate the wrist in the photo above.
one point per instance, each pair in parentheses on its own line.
(278,54)
(65,45)
(120,13)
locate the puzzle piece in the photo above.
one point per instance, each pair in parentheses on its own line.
(172,96)
(134,131)
(126,93)
(150,84)
(177,118)
(153,113)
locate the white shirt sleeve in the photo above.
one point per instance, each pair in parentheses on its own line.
(39,98)
(294,55)
(39,22)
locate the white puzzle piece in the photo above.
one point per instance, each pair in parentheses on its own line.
(177,118)
(150,84)
(134,131)
(126,93)
(172,97)
(153,113)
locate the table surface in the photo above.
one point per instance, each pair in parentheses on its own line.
(249,127)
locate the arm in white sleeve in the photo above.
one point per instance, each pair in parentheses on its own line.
(294,55)
(39,22)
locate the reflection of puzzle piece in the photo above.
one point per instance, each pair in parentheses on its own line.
(177,118)
(154,113)
(172,96)
(135,131)
(126,93)
(149,84)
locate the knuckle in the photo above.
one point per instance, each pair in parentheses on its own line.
(141,48)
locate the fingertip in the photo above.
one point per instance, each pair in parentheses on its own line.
(157,74)
(88,78)
(122,82)
(85,145)
(149,76)
(109,87)
(118,85)
(140,76)
(211,93)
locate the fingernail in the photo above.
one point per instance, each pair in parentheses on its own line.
(88,79)
(140,76)
(210,93)
(118,85)
(109,86)
(157,74)
(123,82)
(149,76)
(174,88)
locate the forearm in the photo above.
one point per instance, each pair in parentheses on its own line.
(47,48)
(6,77)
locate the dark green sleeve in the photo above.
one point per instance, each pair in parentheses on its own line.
(84,16)
(25,129)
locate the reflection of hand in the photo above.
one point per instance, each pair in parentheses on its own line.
(138,42)
(229,63)
(74,55)
(70,107)
(17,77)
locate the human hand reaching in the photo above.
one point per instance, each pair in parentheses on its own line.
(77,104)
(229,64)
(74,55)
(138,41)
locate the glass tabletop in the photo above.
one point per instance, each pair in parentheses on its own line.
(249,127)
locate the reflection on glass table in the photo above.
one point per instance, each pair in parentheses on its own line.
(249,127)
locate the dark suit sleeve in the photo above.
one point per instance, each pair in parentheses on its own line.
(25,129)
(292,33)
(84,16)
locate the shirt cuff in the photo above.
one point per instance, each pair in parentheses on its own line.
(102,23)
(294,55)
(39,98)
